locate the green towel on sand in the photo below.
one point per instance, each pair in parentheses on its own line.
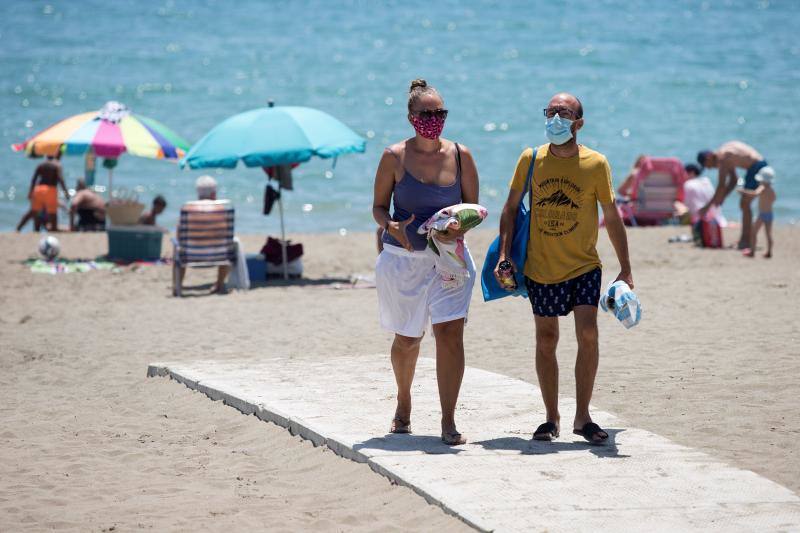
(67,266)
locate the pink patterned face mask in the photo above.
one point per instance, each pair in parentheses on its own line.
(430,126)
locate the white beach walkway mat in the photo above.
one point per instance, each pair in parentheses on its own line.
(501,480)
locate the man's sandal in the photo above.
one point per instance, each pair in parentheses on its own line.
(588,432)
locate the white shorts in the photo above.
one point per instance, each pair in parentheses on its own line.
(410,292)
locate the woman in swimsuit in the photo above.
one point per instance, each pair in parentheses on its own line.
(420,176)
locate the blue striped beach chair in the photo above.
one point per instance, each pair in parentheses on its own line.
(204,238)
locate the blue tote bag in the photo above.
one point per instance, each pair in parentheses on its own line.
(519,248)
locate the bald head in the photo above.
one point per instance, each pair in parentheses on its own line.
(569,101)
(564,114)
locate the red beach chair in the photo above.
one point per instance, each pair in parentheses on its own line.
(656,187)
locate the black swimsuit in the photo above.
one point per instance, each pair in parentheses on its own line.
(88,221)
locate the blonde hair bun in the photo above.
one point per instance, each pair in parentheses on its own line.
(418,83)
(418,89)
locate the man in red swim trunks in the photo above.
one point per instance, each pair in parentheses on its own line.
(43,194)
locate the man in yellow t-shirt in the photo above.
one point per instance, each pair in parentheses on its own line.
(563,269)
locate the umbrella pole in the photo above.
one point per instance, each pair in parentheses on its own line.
(283,238)
(110,175)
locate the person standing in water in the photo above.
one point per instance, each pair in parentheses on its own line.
(417,177)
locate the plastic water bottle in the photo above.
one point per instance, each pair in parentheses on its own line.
(623,302)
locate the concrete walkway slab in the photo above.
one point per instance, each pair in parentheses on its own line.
(501,480)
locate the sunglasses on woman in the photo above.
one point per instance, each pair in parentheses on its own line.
(430,113)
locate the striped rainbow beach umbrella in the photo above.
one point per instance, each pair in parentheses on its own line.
(108,133)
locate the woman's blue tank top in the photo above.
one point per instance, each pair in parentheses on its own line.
(423,200)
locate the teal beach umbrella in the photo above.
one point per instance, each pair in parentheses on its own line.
(272,137)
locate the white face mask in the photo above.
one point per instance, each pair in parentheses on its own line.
(557,129)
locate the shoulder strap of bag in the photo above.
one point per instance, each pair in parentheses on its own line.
(529,180)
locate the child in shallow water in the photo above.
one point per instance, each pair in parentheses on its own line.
(766,198)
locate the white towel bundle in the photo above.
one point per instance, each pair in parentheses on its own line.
(623,303)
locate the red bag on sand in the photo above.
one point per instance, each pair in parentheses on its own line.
(272,251)
(708,233)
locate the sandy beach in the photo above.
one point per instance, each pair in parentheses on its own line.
(89,443)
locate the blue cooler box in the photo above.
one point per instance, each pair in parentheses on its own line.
(134,243)
(256,267)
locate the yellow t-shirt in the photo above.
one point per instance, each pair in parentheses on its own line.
(564,218)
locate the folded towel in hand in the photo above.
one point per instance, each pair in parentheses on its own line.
(451,260)
(623,303)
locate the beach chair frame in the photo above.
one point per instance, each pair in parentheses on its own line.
(638,211)
(204,239)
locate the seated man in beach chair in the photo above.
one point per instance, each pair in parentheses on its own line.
(205,236)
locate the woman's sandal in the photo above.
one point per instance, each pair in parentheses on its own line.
(400,426)
(453,438)
(547,431)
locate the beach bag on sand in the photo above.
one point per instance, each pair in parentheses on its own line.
(707,233)
(519,248)
(272,251)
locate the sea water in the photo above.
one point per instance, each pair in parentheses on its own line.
(661,78)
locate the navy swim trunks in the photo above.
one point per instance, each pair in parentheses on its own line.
(558,299)
(750,178)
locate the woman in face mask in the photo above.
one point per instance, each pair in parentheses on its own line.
(417,177)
